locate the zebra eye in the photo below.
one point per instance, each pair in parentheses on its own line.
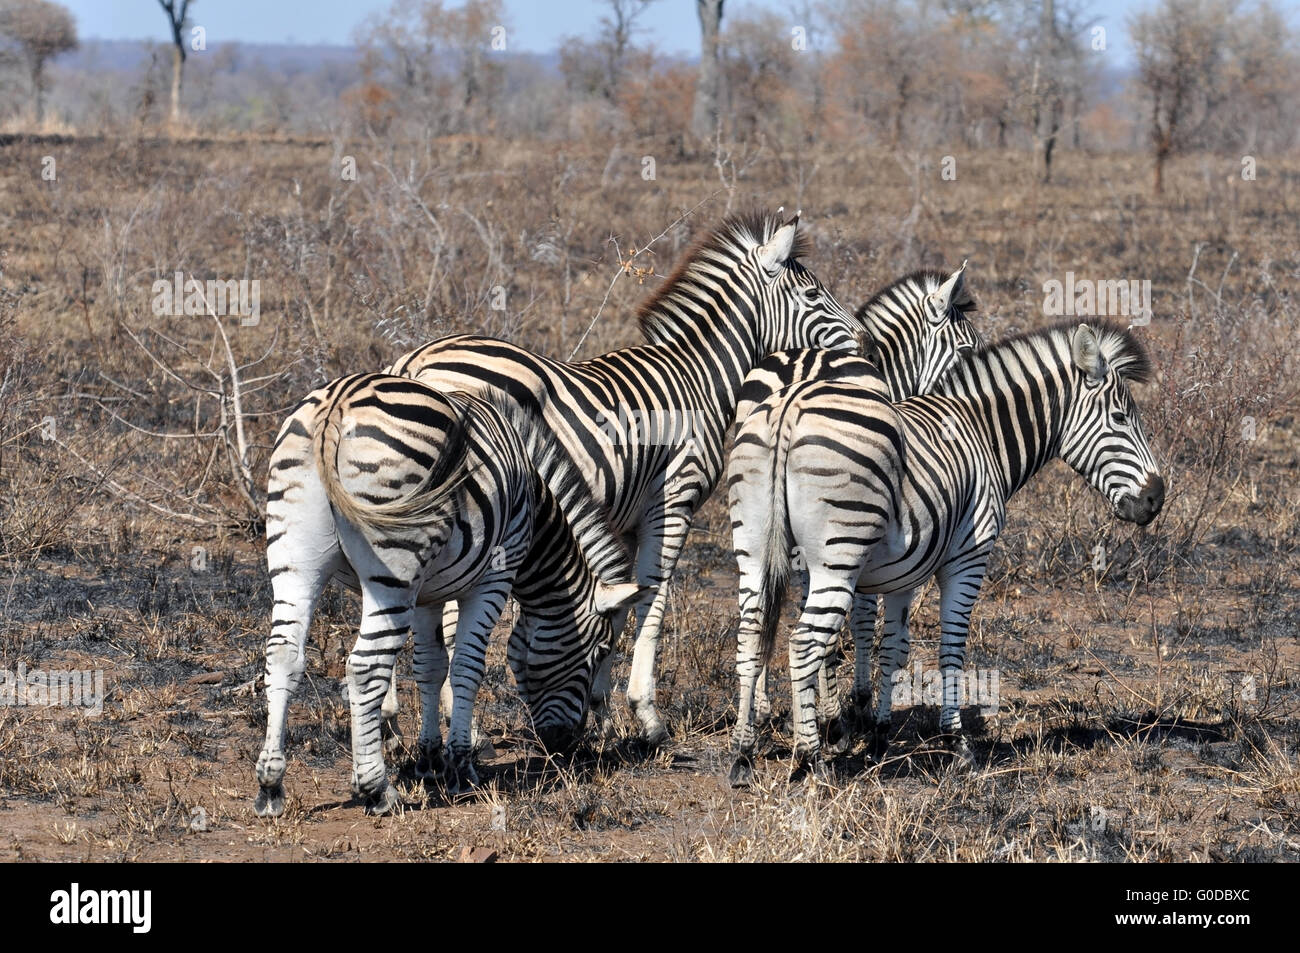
(812,295)
(1118,418)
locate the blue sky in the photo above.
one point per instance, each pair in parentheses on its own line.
(536,25)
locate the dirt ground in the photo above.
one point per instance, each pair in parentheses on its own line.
(1149,703)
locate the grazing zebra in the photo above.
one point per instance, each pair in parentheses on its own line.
(878,497)
(646,425)
(416,497)
(918,326)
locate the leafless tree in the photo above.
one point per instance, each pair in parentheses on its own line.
(704,115)
(435,60)
(616,30)
(38,31)
(892,52)
(1180,47)
(595,67)
(177,12)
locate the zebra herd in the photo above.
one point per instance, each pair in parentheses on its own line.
(874,450)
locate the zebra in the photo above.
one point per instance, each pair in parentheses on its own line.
(891,494)
(918,326)
(415,497)
(646,425)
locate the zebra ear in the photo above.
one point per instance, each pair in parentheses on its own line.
(777,249)
(1085,348)
(611,597)
(951,292)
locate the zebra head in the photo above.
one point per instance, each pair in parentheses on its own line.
(743,285)
(919,329)
(559,672)
(795,309)
(1104,441)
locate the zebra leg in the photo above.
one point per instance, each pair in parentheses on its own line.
(894,648)
(762,697)
(957,593)
(863,624)
(389,729)
(602,685)
(479,612)
(450,619)
(302,554)
(431,665)
(750,672)
(656,560)
(811,643)
(387,615)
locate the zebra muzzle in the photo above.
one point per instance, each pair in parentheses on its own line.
(1144,505)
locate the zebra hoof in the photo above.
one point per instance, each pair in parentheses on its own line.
(836,738)
(270,801)
(963,758)
(384,801)
(653,731)
(877,744)
(392,736)
(461,778)
(741,774)
(811,767)
(430,764)
(861,715)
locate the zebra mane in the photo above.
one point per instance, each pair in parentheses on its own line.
(924,280)
(1120,348)
(658,316)
(587,519)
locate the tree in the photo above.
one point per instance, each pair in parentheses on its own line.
(177,19)
(596,67)
(704,115)
(893,53)
(436,61)
(1260,77)
(1180,47)
(616,31)
(1050,106)
(39,30)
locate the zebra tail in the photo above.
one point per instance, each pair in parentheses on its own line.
(424,504)
(777,544)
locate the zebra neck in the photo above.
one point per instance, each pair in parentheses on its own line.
(1021,410)
(715,352)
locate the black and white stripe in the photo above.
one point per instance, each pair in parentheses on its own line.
(416,497)
(878,497)
(917,327)
(646,425)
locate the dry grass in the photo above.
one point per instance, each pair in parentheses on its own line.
(1122,732)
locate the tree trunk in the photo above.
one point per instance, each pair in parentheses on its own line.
(38,88)
(178,61)
(704,116)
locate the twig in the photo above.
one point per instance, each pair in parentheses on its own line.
(622,265)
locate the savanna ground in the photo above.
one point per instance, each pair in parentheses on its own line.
(1150,678)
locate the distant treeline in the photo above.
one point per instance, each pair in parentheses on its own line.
(1040,74)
